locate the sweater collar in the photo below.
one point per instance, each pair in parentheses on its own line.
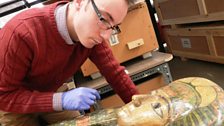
(60,15)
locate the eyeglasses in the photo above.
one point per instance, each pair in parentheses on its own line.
(115,28)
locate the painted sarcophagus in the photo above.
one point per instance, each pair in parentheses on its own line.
(186,102)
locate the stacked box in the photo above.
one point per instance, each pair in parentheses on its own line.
(196,28)
(202,43)
(189,11)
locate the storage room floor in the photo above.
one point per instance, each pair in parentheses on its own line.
(213,71)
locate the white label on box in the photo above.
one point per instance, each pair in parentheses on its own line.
(114,40)
(186,43)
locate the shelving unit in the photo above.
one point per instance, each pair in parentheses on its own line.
(11,6)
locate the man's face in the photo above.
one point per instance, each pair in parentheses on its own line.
(89,29)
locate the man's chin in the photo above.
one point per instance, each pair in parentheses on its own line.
(89,46)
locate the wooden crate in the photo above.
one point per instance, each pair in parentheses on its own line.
(136,38)
(189,11)
(202,43)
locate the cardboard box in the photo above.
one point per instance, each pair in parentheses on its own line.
(189,11)
(137,37)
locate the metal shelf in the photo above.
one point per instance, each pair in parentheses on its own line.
(12,6)
(162,69)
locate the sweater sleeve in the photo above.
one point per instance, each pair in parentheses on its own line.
(15,63)
(114,73)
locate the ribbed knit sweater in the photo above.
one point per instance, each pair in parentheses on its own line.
(35,61)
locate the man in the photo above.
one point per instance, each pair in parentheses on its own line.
(42,48)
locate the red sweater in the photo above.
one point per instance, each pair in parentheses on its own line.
(35,61)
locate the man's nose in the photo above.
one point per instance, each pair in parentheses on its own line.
(106,34)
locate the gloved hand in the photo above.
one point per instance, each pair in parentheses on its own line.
(79,98)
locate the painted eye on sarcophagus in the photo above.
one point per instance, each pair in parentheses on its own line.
(156,105)
(157,108)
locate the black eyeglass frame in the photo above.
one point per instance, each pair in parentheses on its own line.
(115,28)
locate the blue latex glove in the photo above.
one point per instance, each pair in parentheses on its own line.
(79,98)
